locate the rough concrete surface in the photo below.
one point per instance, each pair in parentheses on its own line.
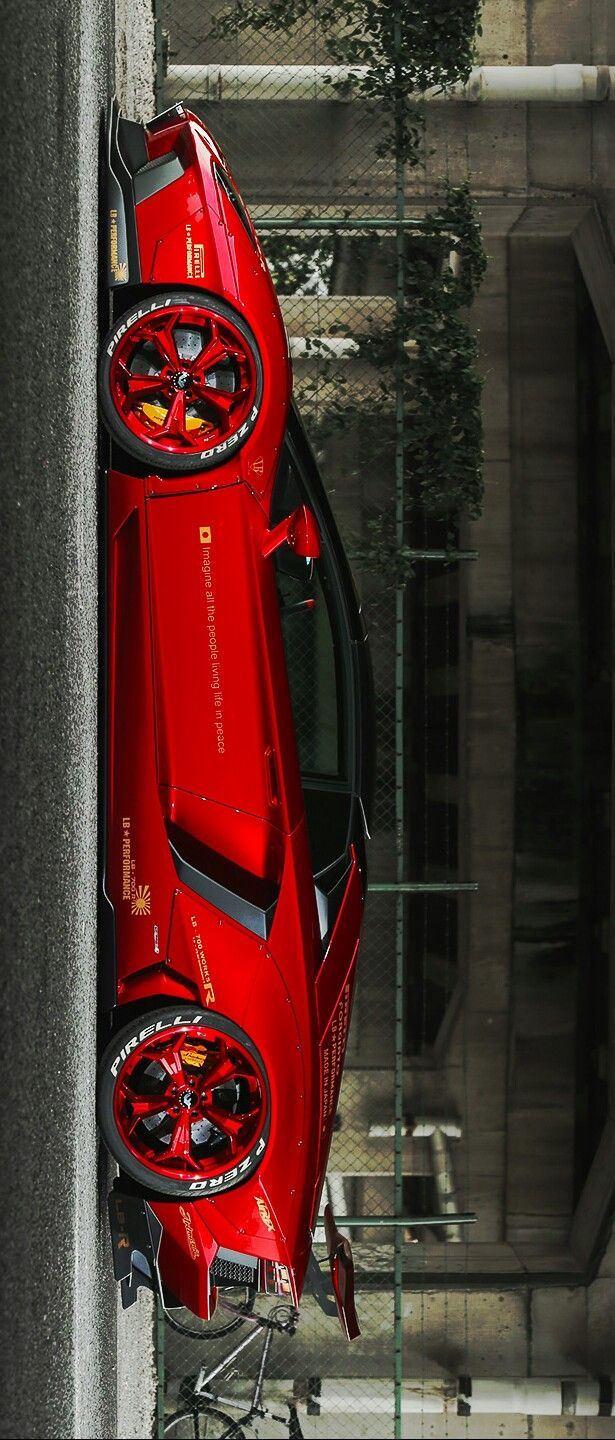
(134,57)
(58,1358)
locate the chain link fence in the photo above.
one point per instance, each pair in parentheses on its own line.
(327,194)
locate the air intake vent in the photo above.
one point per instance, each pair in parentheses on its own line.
(231,1272)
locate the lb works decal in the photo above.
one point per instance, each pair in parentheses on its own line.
(148,1030)
(206,1187)
(209,994)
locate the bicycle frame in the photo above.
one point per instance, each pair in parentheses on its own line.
(204,1379)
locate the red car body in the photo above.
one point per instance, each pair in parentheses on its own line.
(211,889)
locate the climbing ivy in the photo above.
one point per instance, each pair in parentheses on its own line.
(431,351)
(403,49)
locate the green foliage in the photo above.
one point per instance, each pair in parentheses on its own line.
(404,46)
(300,263)
(433,355)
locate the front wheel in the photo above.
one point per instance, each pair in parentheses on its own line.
(203,1424)
(222,1322)
(183,1102)
(180,381)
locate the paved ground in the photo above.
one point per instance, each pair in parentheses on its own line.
(58,1357)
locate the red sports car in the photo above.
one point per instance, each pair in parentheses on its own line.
(238,747)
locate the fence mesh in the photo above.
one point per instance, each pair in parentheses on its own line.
(301,152)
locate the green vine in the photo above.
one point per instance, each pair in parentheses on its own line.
(435,354)
(403,46)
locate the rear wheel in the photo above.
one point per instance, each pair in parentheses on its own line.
(180,381)
(183,1102)
(203,1424)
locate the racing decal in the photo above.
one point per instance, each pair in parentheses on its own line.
(148,1030)
(191,1056)
(122,1238)
(195,256)
(256,467)
(209,994)
(333,1052)
(264,1213)
(211,638)
(190,1236)
(142,900)
(119,268)
(138,896)
(208,1187)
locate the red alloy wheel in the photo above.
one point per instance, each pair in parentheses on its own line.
(184,378)
(189,1103)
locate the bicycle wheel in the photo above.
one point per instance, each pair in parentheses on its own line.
(203,1424)
(222,1323)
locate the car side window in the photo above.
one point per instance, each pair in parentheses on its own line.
(314,642)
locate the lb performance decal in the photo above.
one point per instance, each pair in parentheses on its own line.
(139,897)
(119,268)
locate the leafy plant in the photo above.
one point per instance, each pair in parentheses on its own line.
(403,47)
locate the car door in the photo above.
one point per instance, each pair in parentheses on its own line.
(223,723)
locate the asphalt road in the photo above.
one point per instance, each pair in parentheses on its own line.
(58,1357)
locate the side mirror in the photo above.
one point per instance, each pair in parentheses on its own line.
(342,1275)
(299,531)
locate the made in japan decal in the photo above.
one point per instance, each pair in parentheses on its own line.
(333,1053)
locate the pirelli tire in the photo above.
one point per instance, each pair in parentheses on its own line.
(125,420)
(163,1023)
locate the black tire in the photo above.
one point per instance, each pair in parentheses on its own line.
(150,454)
(202,1424)
(222,1324)
(161,1184)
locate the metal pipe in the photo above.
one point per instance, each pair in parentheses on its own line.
(487,84)
(383,1222)
(422,887)
(342,222)
(460,1395)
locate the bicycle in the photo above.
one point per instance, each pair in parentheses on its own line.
(200,1417)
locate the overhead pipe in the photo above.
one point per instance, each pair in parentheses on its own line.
(487,84)
(333,347)
(462,1395)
